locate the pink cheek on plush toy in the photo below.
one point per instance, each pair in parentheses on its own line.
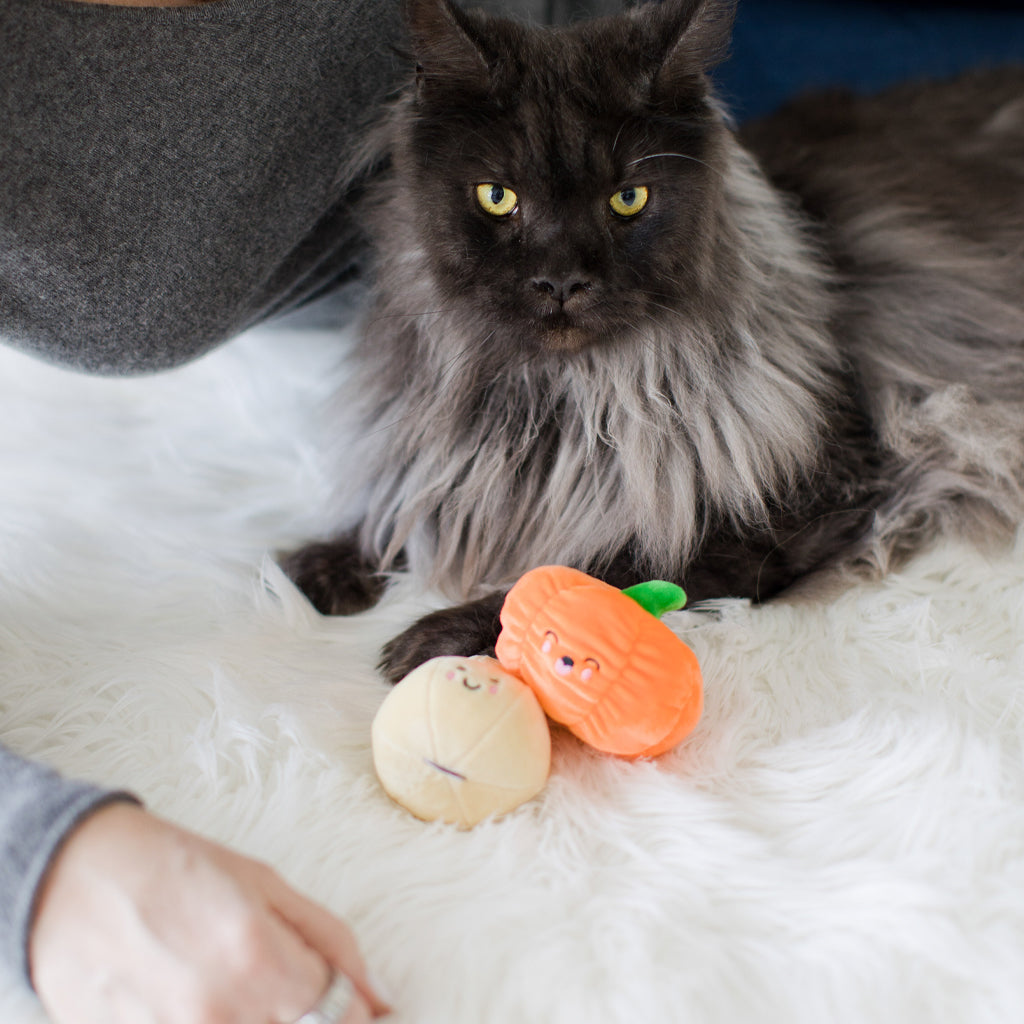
(564,665)
(561,665)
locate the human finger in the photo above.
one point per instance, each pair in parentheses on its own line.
(341,1003)
(286,975)
(329,936)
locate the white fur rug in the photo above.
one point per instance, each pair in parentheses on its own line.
(842,840)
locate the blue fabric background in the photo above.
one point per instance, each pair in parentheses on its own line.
(781,47)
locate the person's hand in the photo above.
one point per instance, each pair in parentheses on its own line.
(140,921)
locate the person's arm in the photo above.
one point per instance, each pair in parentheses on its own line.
(113,915)
(38,808)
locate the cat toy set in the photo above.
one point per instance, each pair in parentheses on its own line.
(462,739)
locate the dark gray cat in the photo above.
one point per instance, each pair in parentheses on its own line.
(611,333)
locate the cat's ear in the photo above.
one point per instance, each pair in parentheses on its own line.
(446,47)
(693,36)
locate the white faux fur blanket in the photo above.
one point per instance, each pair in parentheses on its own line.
(842,840)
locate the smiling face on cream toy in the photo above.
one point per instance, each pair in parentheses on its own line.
(460,739)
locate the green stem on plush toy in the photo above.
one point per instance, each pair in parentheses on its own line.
(657,596)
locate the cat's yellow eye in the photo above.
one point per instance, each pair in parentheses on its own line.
(496,200)
(628,202)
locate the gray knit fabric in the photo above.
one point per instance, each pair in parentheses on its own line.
(168,177)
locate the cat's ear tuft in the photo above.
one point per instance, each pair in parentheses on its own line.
(447,49)
(694,36)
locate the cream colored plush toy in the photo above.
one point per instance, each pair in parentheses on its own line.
(459,740)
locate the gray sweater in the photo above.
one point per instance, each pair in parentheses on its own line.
(37,810)
(168,177)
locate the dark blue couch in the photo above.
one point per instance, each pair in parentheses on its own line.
(781,47)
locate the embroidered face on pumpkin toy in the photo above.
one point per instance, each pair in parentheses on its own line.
(566,662)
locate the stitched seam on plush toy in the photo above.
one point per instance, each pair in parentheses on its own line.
(486,735)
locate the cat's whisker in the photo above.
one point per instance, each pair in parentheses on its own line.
(679,156)
(618,134)
(405,316)
(661,305)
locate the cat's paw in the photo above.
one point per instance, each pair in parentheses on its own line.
(335,576)
(464,630)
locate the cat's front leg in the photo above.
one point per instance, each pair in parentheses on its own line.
(473,627)
(464,630)
(335,575)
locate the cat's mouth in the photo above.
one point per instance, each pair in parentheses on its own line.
(563,332)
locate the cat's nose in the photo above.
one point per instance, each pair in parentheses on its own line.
(562,289)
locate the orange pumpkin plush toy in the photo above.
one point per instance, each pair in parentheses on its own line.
(600,660)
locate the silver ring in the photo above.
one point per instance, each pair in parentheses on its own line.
(333,1004)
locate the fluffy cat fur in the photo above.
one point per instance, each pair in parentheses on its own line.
(806,351)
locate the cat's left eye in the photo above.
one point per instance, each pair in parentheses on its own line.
(496,200)
(628,202)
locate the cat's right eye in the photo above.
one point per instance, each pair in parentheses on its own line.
(628,202)
(496,200)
